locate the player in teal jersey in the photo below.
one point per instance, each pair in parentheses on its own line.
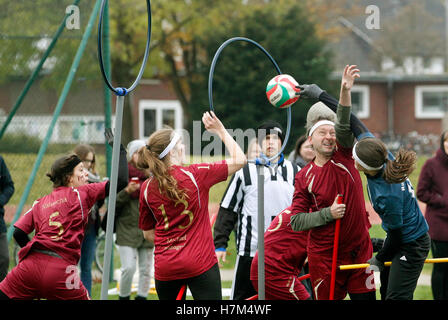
(392,196)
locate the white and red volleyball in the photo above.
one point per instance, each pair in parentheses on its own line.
(281,91)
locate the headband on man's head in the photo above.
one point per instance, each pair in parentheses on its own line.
(362,163)
(318,124)
(170,146)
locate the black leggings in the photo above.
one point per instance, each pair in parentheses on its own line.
(206,286)
(439,276)
(398,282)
(3,296)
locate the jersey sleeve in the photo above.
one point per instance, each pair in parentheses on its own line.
(209,174)
(301,201)
(146,219)
(94,191)
(234,192)
(26,222)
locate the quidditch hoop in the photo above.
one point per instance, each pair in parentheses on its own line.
(122,91)
(210,87)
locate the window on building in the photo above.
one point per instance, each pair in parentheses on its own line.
(149,122)
(431,101)
(360,101)
(155,114)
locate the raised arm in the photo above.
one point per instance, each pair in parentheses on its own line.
(348,79)
(344,135)
(315,92)
(237,157)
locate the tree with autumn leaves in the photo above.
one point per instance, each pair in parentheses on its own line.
(185,36)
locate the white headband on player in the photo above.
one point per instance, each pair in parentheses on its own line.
(318,124)
(171,145)
(362,163)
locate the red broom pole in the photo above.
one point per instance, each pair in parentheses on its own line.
(181,292)
(304,277)
(335,252)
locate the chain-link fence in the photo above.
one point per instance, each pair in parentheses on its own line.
(27,32)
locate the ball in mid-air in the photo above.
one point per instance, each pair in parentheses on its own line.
(281,91)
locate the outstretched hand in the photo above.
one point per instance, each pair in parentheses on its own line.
(109,136)
(212,123)
(348,77)
(309,91)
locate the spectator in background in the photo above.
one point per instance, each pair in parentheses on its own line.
(132,245)
(433,190)
(87,155)
(303,152)
(6,192)
(253,149)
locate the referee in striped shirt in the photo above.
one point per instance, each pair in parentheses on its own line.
(240,201)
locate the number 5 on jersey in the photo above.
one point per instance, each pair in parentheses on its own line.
(56,224)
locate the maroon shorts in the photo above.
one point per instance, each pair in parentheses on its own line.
(347,281)
(284,289)
(41,276)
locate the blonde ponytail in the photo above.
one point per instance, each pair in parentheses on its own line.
(148,159)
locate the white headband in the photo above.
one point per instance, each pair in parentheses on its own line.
(365,166)
(318,124)
(168,148)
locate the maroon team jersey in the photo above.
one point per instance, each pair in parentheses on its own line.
(285,249)
(59,220)
(183,237)
(316,188)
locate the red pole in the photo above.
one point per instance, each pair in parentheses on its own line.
(181,292)
(337,228)
(304,277)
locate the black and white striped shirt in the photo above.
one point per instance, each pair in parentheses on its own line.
(241,198)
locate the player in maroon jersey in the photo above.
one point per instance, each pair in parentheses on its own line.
(332,172)
(48,262)
(174,211)
(285,254)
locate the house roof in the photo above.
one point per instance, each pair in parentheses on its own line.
(358,46)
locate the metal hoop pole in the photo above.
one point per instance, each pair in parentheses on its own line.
(112,198)
(120,91)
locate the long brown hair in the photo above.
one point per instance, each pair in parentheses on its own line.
(148,159)
(82,150)
(373,152)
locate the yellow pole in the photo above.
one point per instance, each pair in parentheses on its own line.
(388,263)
